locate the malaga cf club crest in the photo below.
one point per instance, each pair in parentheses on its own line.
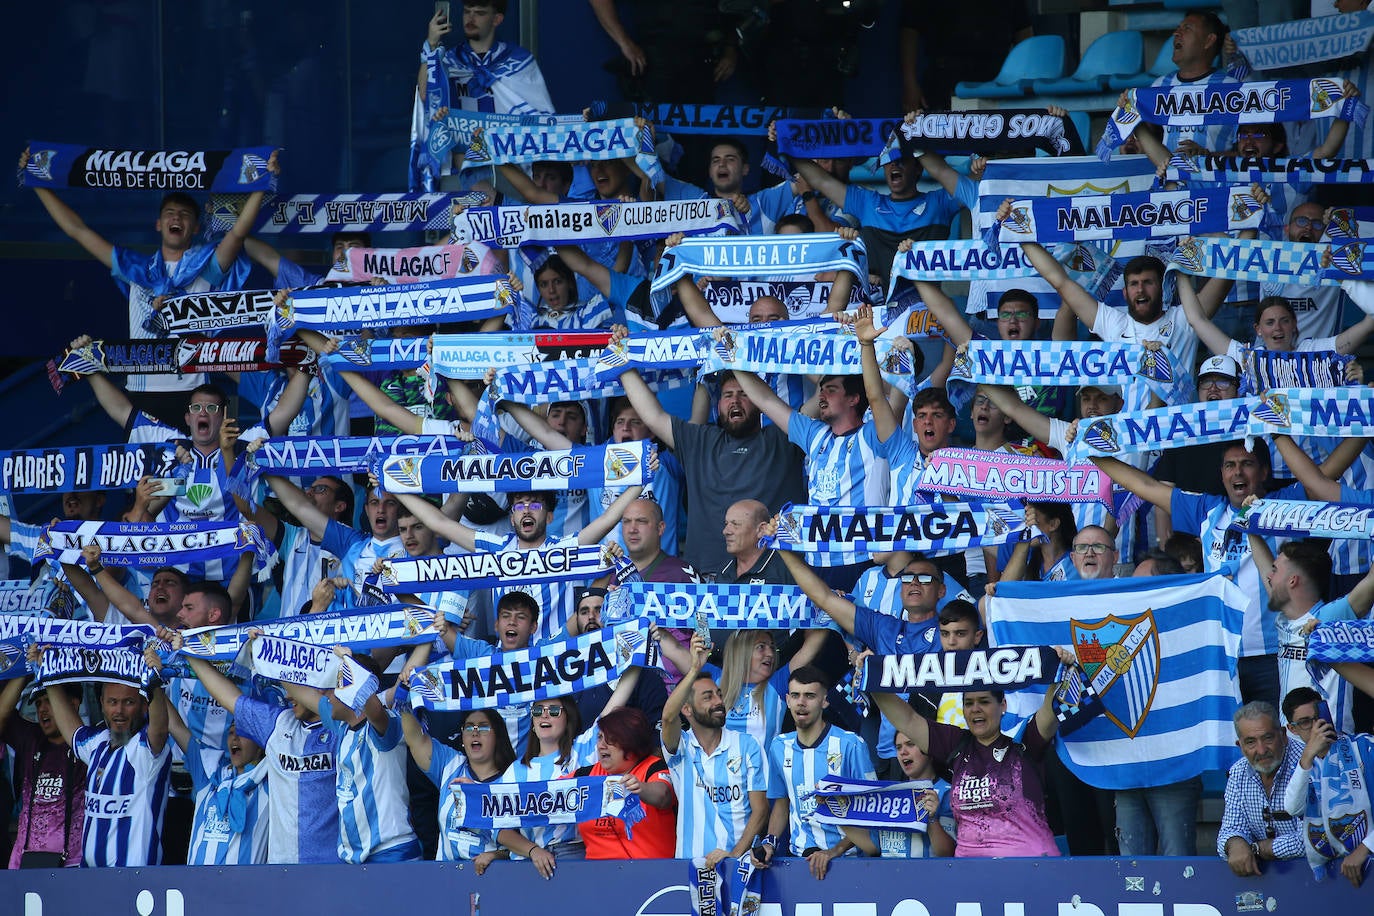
(1120,656)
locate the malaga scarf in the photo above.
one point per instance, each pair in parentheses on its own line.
(583,468)
(1338,806)
(373,628)
(1263,261)
(846,801)
(1019,131)
(551,669)
(737,606)
(1005,668)
(71,165)
(1062,362)
(1296,518)
(1004,475)
(378,354)
(1264,370)
(156,543)
(941,527)
(726,120)
(594,221)
(1138,215)
(469,356)
(750,257)
(565,141)
(730,299)
(458,128)
(122,664)
(1185,105)
(409,265)
(1269,170)
(300,456)
(471,571)
(830,138)
(1313,412)
(330,213)
(521,805)
(1088,264)
(1159,428)
(18,596)
(313,666)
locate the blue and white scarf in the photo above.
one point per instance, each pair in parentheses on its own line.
(1264,370)
(1003,668)
(1063,362)
(469,356)
(183,356)
(1138,215)
(1336,642)
(330,213)
(1264,261)
(737,606)
(471,571)
(458,128)
(583,468)
(585,141)
(429,302)
(495,806)
(1338,804)
(1280,45)
(1313,412)
(724,120)
(156,543)
(72,165)
(1159,428)
(374,628)
(1192,104)
(731,299)
(1296,518)
(1019,131)
(594,221)
(828,349)
(300,456)
(551,669)
(18,631)
(748,257)
(941,527)
(208,313)
(1090,267)
(380,354)
(85,467)
(1269,170)
(121,664)
(294,662)
(18,596)
(1350,223)
(672,349)
(847,801)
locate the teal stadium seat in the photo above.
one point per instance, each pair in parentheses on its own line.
(1114,54)
(1038,57)
(1163,66)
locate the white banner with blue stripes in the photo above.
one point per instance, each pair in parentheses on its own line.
(1162,659)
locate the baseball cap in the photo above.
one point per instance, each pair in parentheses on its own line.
(1219,365)
(1105,389)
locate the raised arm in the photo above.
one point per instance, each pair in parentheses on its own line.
(225,692)
(841,610)
(582,264)
(698,310)
(1022,414)
(227,251)
(63,716)
(101,589)
(604,523)
(75,228)
(672,708)
(435,520)
(1320,483)
(525,186)
(421,745)
(158,727)
(1335,136)
(536,425)
(385,408)
(289,405)
(822,181)
(646,404)
(884,417)
(765,399)
(263,255)
(945,312)
(9,698)
(940,170)
(1212,337)
(294,500)
(1349,340)
(1138,482)
(903,718)
(1083,303)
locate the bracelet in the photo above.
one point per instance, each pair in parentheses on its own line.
(95,570)
(533,846)
(1254,848)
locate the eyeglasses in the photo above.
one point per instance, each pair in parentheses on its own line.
(1014,316)
(552,710)
(1250,135)
(1270,831)
(1304,222)
(982,400)
(918,578)
(1304,723)
(1093,549)
(322,489)
(473,728)
(533,505)
(1216,383)
(198,407)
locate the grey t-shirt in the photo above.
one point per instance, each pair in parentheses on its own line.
(721,470)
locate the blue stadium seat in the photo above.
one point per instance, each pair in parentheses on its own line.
(1114,54)
(1038,57)
(1163,66)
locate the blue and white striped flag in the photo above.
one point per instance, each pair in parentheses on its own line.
(1162,659)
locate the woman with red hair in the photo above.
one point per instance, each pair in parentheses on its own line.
(627,747)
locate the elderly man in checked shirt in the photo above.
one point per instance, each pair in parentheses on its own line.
(1254,825)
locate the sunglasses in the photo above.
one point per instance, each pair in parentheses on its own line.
(918,578)
(1304,222)
(533,505)
(473,728)
(552,710)
(1014,316)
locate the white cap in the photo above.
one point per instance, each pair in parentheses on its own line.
(1219,365)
